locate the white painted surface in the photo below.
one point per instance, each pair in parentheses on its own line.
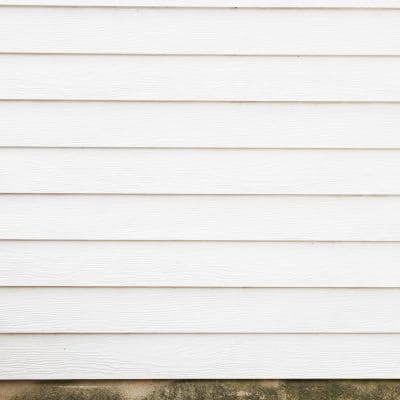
(199,125)
(201,310)
(206,31)
(127,217)
(199,264)
(245,215)
(217,78)
(136,356)
(258,4)
(193,171)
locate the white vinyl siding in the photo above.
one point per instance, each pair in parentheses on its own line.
(199,189)
(199,78)
(194,171)
(207,356)
(206,31)
(200,124)
(204,217)
(199,310)
(199,263)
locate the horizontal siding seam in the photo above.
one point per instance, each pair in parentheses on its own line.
(205,101)
(171,54)
(227,7)
(200,148)
(198,333)
(46,193)
(210,55)
(197,240)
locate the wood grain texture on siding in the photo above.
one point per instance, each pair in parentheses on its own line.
(174,217)
(258,4)
(199,31)
(201,310)
(192,171)
(228,78)
(199,356)
(200,125)
(199,264)
(250,229)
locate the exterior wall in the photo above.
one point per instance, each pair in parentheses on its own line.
(199,189)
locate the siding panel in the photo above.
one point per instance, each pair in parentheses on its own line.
(199,171)
(202,264)
(206,31)
(172,310)
(80,77)
(127,217)
(200,356)
(199,125)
